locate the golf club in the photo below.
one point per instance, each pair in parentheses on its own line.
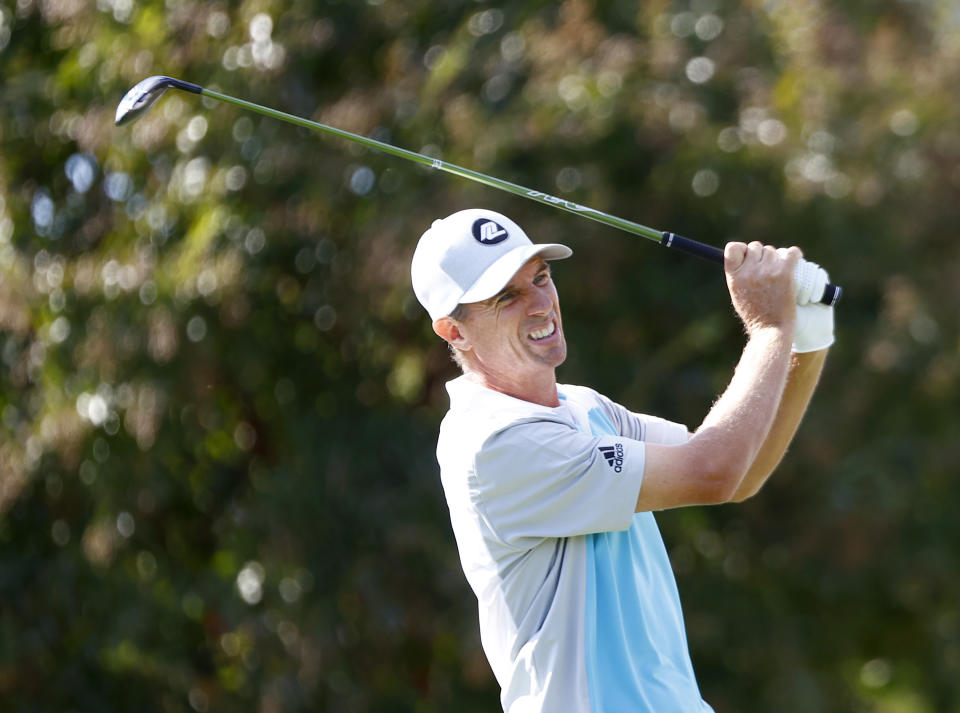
(144,94)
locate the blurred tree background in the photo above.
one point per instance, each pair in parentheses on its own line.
(219,397)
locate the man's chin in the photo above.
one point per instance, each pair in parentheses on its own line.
(554,357)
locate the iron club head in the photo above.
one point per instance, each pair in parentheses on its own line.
(145,93)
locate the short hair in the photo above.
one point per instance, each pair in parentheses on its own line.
(459,314)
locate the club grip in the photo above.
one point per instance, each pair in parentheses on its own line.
(831,293)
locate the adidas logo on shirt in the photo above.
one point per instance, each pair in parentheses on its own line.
(614,456)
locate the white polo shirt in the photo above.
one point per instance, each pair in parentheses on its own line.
(579,610)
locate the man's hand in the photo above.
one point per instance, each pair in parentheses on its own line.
(760,280)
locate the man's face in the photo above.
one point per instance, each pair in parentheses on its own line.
(517,334)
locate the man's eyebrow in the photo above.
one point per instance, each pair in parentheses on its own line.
(501,293)
(509,287)
(544,266)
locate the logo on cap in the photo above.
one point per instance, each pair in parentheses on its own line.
(488,232)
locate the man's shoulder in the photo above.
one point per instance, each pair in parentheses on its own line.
(582,395)
(476,413)
(604,412)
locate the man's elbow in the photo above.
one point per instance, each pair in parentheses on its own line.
(722,473)
(703,471)
(753,481)
(722,480)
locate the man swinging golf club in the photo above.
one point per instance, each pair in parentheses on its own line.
(551,487)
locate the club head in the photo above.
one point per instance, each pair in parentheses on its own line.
(145,93)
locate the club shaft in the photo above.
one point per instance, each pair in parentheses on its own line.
(538,196)
(830,296)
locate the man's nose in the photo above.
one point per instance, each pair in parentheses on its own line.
(539,303)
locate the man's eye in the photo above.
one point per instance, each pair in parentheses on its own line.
(504,298)
(541,278)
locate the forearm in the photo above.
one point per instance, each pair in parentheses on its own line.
(736,428)
(802,379)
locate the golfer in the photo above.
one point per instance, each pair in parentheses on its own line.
(552,487)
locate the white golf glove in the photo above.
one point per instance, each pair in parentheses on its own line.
(810,279)
(814,329)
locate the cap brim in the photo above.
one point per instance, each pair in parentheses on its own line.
(496,277)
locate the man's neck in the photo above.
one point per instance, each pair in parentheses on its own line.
(541,391)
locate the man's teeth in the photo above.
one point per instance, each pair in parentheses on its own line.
(545,332)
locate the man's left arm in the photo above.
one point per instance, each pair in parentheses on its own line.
(812,339)
(801,381)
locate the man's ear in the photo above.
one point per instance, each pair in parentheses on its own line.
(448,329)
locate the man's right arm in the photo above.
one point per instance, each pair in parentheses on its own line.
(710,466)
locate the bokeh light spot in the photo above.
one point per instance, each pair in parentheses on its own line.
(196,328)
(705,182)
(362,179)
(903,122)
(700,70)
(81,169)
(250,582)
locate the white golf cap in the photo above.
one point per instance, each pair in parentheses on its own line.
(470,256)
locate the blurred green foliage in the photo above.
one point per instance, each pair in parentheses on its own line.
(219,397)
